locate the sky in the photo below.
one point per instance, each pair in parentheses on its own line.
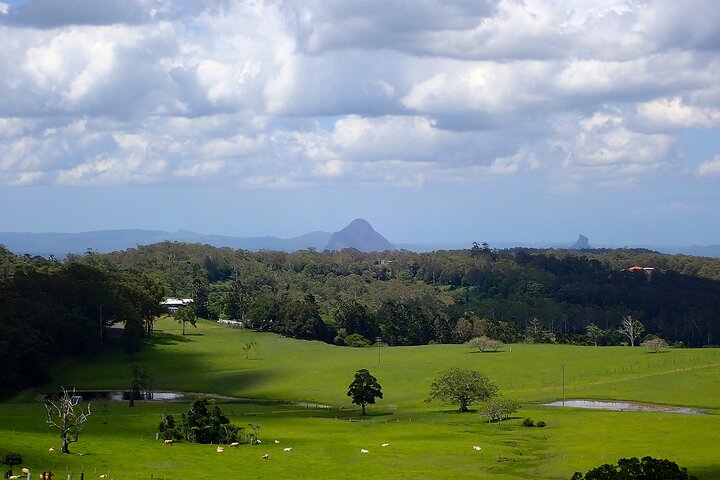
(436,121)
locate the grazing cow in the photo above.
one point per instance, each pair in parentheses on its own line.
(104,475)
(276,442)
(287,449)
(234,444)
(362,450)
(385,445)
(220,449)
(477,447)
(168,442)
(51,449)
(266,456)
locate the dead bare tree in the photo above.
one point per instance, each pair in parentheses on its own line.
(64,415)
(631,328)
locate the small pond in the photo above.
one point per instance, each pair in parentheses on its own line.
(624,406)
(117,395)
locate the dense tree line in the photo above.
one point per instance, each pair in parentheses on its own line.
(51,312)
(445,296)
(54,310)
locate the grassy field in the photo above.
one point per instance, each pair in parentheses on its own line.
(427,440)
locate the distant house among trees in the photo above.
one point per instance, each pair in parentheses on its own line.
(638,268)
(173,304)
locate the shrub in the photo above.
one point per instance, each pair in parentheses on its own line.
(499,408)
(528,422)
(10,459)
(484,343)
(356,340)
(654,344)
(202,424)
(634,469)
(540,424)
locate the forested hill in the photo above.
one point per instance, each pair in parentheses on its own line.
(52,310)
(444,296)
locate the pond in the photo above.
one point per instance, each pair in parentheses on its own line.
(118,395)
(624,406)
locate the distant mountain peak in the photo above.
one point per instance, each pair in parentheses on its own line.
(582,243)
(359,234)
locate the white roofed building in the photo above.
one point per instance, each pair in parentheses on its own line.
(173,304)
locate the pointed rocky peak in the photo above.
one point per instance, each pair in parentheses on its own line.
(582,243)
(359,234)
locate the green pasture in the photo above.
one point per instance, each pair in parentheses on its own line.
(284,382)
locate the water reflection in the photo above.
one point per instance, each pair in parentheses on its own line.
(117,395)
(624,406)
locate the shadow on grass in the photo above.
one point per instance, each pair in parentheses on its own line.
(161,339)
(488,351)
(456,412)
(355,415)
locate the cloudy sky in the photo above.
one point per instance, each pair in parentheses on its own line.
(437,121)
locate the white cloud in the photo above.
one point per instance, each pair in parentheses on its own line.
(674,114)
(570,91)
(711,167)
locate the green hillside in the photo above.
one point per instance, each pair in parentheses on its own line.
(427,440)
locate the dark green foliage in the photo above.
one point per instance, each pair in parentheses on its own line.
(356,318)
(203,423)
(633,469)
(540,424)
(140,382)
(169,429)
(11,459)
(413,298)
(364,389)
(51,312)
(200,297)
(528,422)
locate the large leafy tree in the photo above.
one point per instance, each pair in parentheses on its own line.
(11,459)
(463,386)
(364,389)
(633,469)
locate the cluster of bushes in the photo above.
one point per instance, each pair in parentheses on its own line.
(203,423)
(633,469)
(529,422)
